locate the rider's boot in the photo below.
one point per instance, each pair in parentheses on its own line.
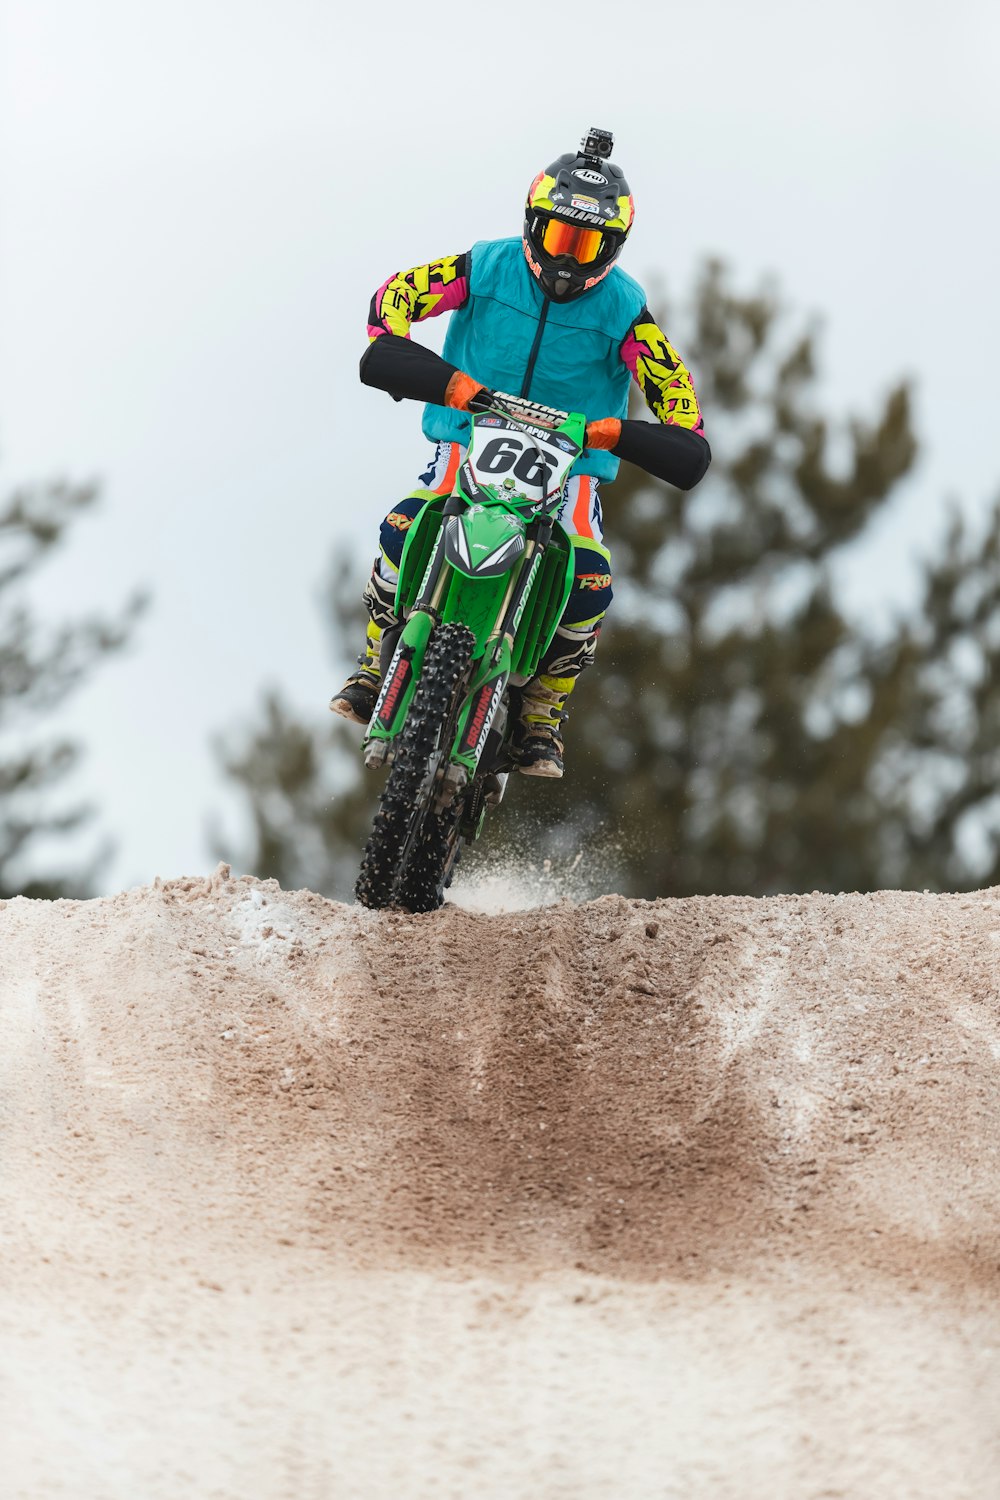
(356,699)
(537,740)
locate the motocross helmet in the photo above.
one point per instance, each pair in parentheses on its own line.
(577,218)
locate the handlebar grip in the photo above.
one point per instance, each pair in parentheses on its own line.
(463,393)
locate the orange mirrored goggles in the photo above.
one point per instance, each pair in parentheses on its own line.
(570,239)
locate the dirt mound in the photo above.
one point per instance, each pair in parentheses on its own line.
(678,1198)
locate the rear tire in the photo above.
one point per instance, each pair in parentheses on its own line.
(412,849)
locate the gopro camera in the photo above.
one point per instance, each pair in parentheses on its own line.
(597,143)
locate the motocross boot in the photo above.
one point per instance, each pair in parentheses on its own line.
(356,699)
(537,740)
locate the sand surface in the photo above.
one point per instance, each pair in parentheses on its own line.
(694,1199)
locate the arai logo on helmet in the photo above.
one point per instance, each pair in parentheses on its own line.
(586,175)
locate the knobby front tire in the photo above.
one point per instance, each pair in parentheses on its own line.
(426,873)
(412,849)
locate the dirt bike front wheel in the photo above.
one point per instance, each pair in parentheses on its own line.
(407,836)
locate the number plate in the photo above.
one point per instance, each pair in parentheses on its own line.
(535,461)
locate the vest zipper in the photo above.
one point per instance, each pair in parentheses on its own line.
(526,384)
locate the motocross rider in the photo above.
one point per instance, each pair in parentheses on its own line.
(550,317)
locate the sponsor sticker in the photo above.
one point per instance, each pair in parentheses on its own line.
(581,216)
(586,174)
(515,623)
(481,717)
(427,572)
(392,691)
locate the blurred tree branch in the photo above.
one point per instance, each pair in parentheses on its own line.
(39,666)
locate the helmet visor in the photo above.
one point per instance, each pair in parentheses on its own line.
(583,245)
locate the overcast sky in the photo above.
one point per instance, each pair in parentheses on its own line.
(199,198)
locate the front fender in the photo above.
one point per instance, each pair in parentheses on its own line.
(484,541)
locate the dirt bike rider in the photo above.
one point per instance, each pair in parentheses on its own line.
(551,318)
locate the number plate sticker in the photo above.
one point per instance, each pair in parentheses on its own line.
(536,462)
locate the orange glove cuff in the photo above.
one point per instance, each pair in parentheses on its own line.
(605,433)
(460,390)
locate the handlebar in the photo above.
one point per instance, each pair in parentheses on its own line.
(666,451)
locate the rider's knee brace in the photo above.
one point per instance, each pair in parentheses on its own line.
(569,652)
(380,599)
(395,526)
(592,592)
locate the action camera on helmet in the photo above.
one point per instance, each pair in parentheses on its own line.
(597,143)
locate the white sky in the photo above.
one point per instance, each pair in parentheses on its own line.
(199,198)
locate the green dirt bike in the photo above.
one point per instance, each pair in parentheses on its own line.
(484,579)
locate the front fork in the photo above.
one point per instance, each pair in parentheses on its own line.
(489,684)
(398,687)
(399,679)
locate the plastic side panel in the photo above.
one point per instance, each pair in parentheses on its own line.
(417,550)
(545,607)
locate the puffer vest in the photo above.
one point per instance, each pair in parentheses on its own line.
(513,338)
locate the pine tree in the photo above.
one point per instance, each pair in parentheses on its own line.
(740,733)
(39,667)
(310,807)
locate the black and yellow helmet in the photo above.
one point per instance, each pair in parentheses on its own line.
(577,218)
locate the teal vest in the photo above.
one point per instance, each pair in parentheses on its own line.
(578,364)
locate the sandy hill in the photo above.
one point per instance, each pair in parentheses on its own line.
(694,1199)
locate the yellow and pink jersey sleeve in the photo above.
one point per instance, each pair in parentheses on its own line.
(661,374)
(410,296)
